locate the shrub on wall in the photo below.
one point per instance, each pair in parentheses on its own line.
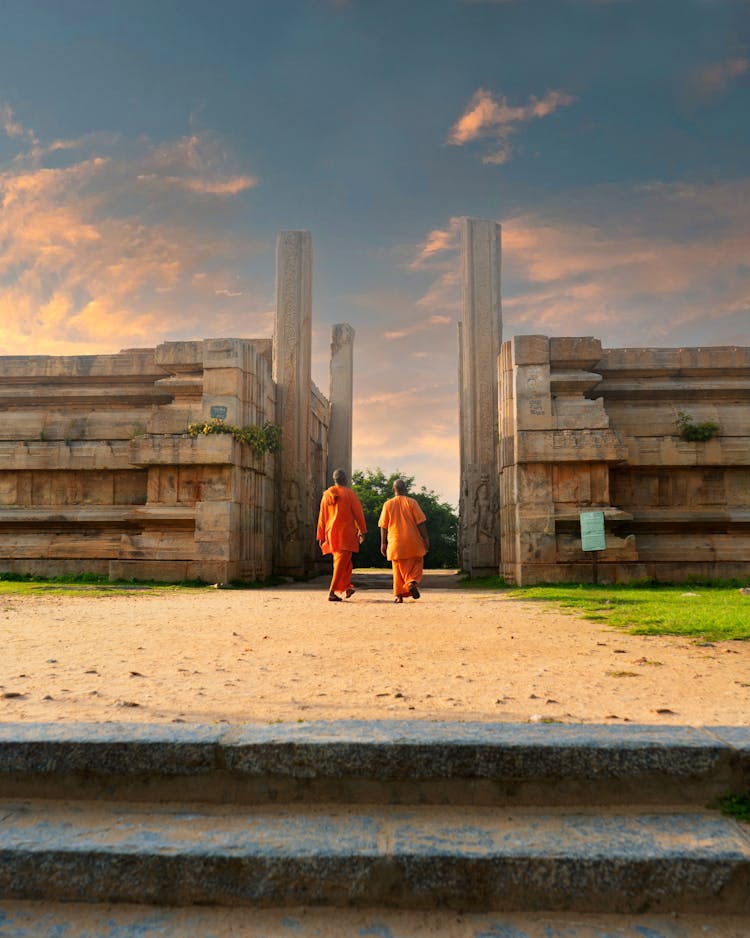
(265,439)
(695,432)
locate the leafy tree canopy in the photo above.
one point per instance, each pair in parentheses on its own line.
(374,487)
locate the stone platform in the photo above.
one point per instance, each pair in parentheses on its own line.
(401,828)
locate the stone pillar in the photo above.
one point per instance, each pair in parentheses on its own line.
(480,341)
(292,354)
(340,398)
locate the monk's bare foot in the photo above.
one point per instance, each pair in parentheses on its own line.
(333,598)
(414,591)
(399,599)
(350,592)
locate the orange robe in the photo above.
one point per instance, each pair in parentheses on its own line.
(401,517)
(340,522)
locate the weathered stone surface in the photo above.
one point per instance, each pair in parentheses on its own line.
(480,342)
(341,400)
(579,352)
(97,446)
(291,371)
(529,350)
(50,920)
(562,764)
(569,446)
(612,444)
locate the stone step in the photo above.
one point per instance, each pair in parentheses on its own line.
(472,859)
(386,762)
(75,920)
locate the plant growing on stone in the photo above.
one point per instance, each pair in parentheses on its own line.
(694,432)
(265,439)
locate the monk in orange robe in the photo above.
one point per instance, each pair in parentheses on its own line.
(341,529)
(404,541)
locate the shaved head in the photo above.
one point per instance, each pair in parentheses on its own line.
(339,477)
(399,487)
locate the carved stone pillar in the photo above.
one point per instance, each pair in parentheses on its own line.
(340,398)
(480,339)
(292,354)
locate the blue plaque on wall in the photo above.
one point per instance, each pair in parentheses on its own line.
(218,412)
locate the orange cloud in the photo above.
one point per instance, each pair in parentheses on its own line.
(437,241)
(488,115)
(83,266)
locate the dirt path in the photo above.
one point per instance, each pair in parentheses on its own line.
(287,654)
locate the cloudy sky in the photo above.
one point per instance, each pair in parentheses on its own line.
(151,150)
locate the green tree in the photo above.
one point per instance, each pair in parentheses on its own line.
(373,488)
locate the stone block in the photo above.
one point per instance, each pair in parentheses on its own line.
(617,549)
(223,353)
(535,522)
(530,574)
(209,449)
(161,570)
(569,446)
(530,350)
(217,517)
(537,547)
(180,357)
(579,414)
(224,382)
(210,549)
(582,352)
(8,488)
(533,404)
(173,420)
(157,546)
(534,484)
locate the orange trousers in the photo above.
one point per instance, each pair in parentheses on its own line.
(342,571)
(406,571)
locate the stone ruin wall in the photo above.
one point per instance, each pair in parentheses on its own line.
(98,473)
(585,428)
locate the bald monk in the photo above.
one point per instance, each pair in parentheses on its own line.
(341,529)
(404,541)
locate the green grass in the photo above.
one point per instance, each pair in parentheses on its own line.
(736,806)
(719,612)
(83,584)
(93,584)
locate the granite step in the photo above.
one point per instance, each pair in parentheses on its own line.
(75,920)
(387,762)
(468,858)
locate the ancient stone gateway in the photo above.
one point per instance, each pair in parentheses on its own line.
(99,474)
(582,428)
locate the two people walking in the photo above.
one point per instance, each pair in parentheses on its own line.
(403,537)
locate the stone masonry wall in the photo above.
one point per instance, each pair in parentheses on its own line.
(589,429)
(98,473)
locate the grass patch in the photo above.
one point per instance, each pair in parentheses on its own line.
(94,584)
(84,584)
(736,806)
(719,612)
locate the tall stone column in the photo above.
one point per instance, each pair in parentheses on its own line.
(340,397)
(480,340)
(292,355)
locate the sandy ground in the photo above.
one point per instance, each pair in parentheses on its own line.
(286,654)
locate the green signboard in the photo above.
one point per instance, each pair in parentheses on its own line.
(592,530)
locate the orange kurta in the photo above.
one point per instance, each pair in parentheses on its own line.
(340,522)
(401,517)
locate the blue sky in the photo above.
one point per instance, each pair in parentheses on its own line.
(151,151)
